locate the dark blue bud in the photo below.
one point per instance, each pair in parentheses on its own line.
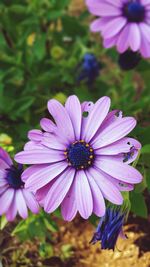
(109,228)
(89,69)
(129,60)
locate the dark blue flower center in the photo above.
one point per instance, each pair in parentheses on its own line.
(13,176)
(80,155)
(134,11)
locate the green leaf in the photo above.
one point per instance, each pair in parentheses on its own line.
(148,178)
(3,222)
(46,250)
(138,205)
(18,9)
(146,149)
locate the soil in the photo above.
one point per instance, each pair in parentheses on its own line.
(74,237)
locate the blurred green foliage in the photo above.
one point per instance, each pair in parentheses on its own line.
(41,45)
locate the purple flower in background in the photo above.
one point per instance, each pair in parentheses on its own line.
(89,69)
(129,60)
(123,23)
(13,196)
(109,228)
(80,158)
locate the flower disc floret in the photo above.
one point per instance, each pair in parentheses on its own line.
(80,155)
(134,12)
(13,176)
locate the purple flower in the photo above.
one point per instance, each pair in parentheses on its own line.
(123,23)
(109,228)
(78,158)
(13,196)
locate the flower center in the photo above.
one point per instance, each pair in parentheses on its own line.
(79,155)
(13,176)
(134,12)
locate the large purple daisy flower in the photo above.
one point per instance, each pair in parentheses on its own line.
(80,158)
(123,23)
(13,196)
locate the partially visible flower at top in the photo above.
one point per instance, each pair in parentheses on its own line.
(80,158)
(89,69)
(110,228)
(123,23)
(129,60)
(13,196)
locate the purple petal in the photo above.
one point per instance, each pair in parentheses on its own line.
(21,204)
(145,48)
(62,119)
(59,190)
(3,189)
(35,135)
(96,25)
(32,170)
(45,175)
(31,145)
(84,199)
(95,118)
(12,211)
(125,187)
(118,170)
(2,174)
(109,190)
(68,206)
(123,39)
(98,200)
(118,184)
(117,3)
(3,182)
(102,9)
(109,42)
(47,125)
(30,201)
(6,199)
(87,106)
(145,30)
(3,164)
(123,145)
(43,191)
(5,156)
(39,156)
(53,141)
(114,132)
(113,27)
(134,37)
(145,2)
(74,110)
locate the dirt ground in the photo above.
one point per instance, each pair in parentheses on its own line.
(134,251)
